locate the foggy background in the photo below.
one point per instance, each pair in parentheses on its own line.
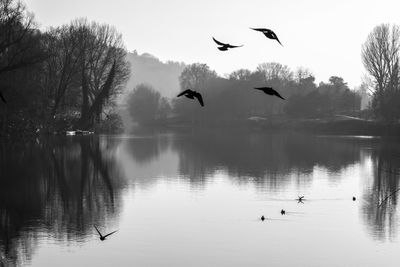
(108,67)
(324,36)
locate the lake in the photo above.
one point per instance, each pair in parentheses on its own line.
(190,198)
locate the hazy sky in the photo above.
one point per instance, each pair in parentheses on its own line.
(324,36)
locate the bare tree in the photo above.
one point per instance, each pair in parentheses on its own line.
(302,73)
(103,67)
(19,39)
(275,71)
(20,51)
(240,75)
(61,67)
(194,76)
(85,70)
(380,56)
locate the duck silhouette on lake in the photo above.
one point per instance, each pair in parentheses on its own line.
(268,33)
(103,237)
(224,46)
(269,91)
(192,95)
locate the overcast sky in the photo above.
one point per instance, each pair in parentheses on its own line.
(324,36)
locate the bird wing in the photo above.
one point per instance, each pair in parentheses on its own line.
(200,98)
(258,29)
(276,38)
(278,95)
(2,98)
(110,233)
(260,88)
(218,42)
(233,46)
(184,92)
(97,230)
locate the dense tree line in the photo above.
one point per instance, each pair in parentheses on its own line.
(233,99)
(64,77)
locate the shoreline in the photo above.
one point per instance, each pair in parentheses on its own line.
(314,126)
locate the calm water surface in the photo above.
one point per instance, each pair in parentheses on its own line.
(195,199)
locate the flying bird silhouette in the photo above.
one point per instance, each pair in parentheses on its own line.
(2,98)
(103,237)
(283,212)
(300,199)
(192,94)
(268,33)
(225,47)
(269,91)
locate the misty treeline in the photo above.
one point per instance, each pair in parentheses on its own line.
(62,78)
(232,99)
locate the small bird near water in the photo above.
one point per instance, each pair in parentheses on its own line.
(103,237)
(354,198)
(300,199)
(262,218)
(224,46)
(283,212)
(192,94)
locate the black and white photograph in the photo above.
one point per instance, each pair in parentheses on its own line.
(188,133)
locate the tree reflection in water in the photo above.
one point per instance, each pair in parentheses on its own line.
(57,186)
(382,219)
(264,159)
(270,160)
(62,186)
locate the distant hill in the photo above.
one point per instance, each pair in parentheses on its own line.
(162,76)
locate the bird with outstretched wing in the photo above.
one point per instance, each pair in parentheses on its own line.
(225,46)
(192,95)
(102,238)
(199,98)
(269,91)
(187,91)
(268,33)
